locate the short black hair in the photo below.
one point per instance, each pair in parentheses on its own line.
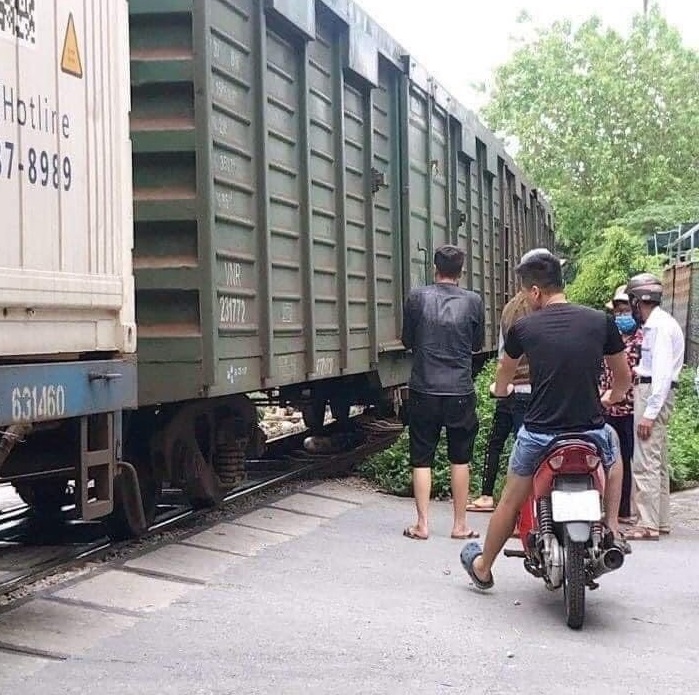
(449,261)
(541,268)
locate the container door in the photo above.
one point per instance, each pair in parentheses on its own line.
(387,223)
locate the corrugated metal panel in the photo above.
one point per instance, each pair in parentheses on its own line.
(420,190)
(692,334)
(387,206)
(680,299)
(288,192)
(65,274)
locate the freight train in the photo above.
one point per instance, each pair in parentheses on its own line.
(249,189)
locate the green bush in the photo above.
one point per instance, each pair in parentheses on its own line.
(390,469)
(683,434)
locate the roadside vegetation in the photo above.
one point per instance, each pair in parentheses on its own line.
(606,125)
(390,470)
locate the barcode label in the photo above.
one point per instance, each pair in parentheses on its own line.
(17,19)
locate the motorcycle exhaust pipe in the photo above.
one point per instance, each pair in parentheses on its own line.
(613,559)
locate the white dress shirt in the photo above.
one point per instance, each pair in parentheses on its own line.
(662,357)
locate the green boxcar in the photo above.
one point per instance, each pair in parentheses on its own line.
(294,170)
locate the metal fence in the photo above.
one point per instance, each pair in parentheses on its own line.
(681,299)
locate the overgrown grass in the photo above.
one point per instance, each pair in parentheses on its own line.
(390,469)
(683,434)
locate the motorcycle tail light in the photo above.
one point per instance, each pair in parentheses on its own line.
(556,462)
(592,461)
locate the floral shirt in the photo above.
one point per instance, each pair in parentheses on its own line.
(632,347)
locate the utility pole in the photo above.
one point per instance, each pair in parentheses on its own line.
(645,8)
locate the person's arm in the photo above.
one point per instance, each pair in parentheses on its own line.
(507,364)
(661,373)
(621,379)
(501,345)
(479,331)
(408,334)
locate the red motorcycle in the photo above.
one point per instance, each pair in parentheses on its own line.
(565,542)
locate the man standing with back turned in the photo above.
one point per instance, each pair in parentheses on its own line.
(565,344)
(443,324)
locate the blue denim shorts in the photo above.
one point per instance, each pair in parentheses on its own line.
(528,447)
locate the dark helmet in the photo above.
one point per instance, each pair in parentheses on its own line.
(645,287)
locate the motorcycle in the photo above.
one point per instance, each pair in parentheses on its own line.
(565,541)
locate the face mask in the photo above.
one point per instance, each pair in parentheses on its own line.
(626,323)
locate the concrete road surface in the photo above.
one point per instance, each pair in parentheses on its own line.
(321,593)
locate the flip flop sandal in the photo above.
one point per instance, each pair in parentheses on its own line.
(638,533)
(409,532)
(465,536)
(468,554)
(480,508)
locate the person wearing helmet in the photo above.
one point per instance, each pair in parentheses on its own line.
(564,344)
(655,381)
(620,416)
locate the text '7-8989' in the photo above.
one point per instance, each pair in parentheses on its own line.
(41,167)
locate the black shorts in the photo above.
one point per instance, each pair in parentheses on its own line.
(428,414)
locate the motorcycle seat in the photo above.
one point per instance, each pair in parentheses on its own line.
(571,439)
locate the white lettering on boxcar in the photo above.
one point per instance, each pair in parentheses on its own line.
(226,164)
(225,200)
(233,310)
(220,125)
(234,373)
(219,50)
(225,91)
(325,366)
(234,274)
(38,402)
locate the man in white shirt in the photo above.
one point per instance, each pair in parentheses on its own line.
(655,382)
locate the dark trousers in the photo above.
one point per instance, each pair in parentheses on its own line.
(623,426)
(508,417)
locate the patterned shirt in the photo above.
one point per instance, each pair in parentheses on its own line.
(632,347)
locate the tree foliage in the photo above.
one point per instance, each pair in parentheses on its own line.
(619,256)
(606,124)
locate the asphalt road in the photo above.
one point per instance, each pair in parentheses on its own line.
(338,601)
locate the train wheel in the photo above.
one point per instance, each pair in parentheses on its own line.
(122,523)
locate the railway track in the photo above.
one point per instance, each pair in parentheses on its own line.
(32,550)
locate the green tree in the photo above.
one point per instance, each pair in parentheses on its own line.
(619,256)
(606,124)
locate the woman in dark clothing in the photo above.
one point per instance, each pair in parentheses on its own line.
(620,416)
(509,412)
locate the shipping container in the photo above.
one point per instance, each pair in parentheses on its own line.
(66,283)
(67,310)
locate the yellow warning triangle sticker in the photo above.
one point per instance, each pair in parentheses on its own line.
(70,62)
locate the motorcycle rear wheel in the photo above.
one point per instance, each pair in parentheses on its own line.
(574,583)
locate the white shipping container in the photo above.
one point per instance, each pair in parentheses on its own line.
(66,230)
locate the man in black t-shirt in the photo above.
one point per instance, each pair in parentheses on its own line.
(443,324)
(565,345)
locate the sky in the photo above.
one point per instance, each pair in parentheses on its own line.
(461,42)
